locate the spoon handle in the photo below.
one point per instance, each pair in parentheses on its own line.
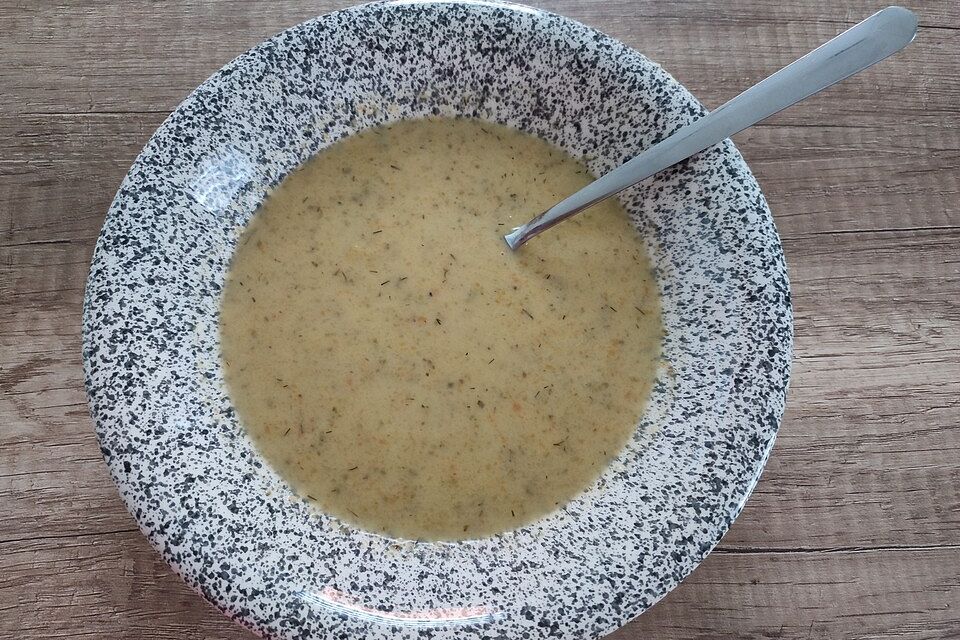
(866,43)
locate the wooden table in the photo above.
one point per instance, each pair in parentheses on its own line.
(854,530)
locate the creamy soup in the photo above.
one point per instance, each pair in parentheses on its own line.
(406,372)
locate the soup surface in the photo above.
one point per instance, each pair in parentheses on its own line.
(406,372)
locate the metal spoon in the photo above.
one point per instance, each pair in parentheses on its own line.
(879,36)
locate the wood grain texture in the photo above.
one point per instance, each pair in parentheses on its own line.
(113,585)
(854,529)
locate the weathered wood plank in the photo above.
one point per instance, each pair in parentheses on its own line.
(865,456)
(715,48)
(109,585)
(812,596)
(817,179)
(112,585)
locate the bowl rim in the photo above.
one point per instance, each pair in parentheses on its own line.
(96,383)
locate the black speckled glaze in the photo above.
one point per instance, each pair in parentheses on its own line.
(228,524)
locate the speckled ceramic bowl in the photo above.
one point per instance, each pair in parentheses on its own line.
(223,518)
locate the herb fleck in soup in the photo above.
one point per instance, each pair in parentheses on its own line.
(407,373)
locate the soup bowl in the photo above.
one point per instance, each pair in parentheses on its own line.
(223,518)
